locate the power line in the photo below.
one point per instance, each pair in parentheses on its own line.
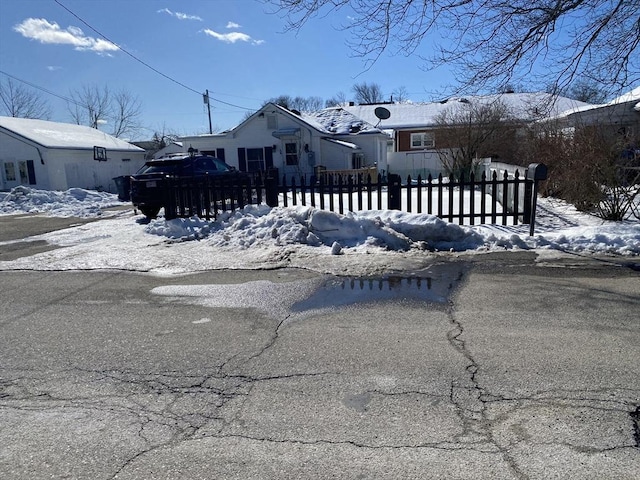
(146,64)
(33,85)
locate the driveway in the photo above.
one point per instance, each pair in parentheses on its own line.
(495,368)
(17,227)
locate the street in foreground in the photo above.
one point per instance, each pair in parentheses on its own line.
(491,368)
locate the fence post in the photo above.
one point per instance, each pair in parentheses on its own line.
(271,190)
(394,192)
(528,192)
(535,172)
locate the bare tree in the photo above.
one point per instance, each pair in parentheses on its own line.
(400,95)
(585,91)
(337,100)
(468,130)
(491,43)
(125,114)
(308,104)
(367,93)
(18,101)
(93,107)
(90,105)
(302,104)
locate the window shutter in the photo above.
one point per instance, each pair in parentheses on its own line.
(242,159)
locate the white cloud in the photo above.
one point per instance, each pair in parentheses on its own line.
(232,25)
(232,37)
(179,15)
(53,68)
(50,33)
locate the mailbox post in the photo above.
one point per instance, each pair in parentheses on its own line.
(535,173)
(395,187)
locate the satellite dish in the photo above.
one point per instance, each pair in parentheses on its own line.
(382,113)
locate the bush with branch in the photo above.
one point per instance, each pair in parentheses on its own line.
(468,130)
(588,169)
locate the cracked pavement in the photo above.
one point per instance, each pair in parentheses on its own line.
(502,370)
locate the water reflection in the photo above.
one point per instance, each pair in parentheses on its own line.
(433,287)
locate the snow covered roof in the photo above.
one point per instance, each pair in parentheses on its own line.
(339,121)
(64,135)
(618,104)
(632,96)
(525,106)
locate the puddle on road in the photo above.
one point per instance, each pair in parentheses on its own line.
(429,287)
(433,285)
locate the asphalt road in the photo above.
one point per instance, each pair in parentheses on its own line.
(490,369)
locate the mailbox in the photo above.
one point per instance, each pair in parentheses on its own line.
(537,171)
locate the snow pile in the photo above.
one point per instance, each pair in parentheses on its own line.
(265,227)
(259,237)
(75,202)
(262,225)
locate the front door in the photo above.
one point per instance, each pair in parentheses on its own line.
(291,156)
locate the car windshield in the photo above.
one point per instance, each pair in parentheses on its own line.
(198,165)
(160,168)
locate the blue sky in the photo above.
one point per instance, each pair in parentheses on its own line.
(234,48)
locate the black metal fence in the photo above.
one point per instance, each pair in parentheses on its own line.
(506,199)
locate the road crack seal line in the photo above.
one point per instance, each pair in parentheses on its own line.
(470,400)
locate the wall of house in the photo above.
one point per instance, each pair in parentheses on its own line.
(77,168)
(60,169)
(424,163)
(22,164)
(335,157)
(403,139)
(374,148)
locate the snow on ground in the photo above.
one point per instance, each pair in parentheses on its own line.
(75,202)
(368,242)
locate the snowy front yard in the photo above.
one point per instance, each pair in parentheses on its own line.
(264,237)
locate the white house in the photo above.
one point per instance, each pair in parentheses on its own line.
(172,147)
(620,118)
(413,127)
(296,143)
(58,156)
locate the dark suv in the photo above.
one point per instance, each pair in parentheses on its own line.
(150,185)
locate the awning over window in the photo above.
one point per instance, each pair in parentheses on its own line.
(342,143)
(286,132)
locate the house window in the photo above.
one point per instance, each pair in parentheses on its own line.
(357,160)
(272,122)
(291,153)
(9,172)
(422,140)
(255,160)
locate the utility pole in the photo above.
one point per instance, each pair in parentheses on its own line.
(205,98)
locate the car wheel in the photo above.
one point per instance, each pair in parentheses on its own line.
(150,212)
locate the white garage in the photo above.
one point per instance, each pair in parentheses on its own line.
(58,156)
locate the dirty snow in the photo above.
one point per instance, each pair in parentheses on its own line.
(259,236)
